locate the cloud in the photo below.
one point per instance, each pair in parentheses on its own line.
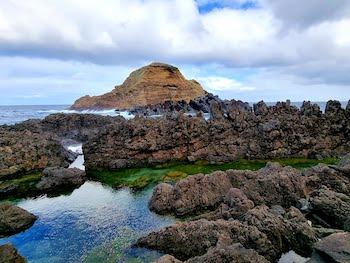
(309,12)
(60,47)
(216,83)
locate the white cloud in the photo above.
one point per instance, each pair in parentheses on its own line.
(216,83)
(306,43)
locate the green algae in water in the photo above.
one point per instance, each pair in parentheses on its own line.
(139,178)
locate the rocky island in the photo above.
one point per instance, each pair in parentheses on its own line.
(152,84)
(228,215)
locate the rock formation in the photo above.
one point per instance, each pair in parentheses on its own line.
(149,85)
(14,219)
(58,178)
(254,210)
(25,151)
(9,254)
(238,132)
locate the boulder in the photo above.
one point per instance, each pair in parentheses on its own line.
(191,195)
(14,219)
(9,254)
(226,254)
(330,208)
(25,151)
(58,179)
(272,185)
(194,238)
(168,259)
(334,248)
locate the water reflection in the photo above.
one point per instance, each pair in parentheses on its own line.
(88,223)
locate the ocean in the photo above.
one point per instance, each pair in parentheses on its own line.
(17,113)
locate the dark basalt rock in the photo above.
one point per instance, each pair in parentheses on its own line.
(14,219)
(234,131)
(272,185)
(190,239)
(25,151)
(9,254)
(333,248)
(331,207)
(57,178)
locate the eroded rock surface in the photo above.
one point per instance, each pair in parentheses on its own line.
(149,85)
(235,132)
(334,248)
(14,219)
(58,178)
(26,151)
(272,185)
(9,254)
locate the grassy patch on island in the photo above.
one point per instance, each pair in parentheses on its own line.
(139,178)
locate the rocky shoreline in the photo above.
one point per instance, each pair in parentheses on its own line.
(236,132)
(234,215)
(244,216)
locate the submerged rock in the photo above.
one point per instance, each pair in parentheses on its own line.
(58,179)
(14,219)
(9,254)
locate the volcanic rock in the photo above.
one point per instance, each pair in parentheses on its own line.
(9,254)
(26,151)
(190,239)
(233,132)
(58,178)
(155,83)
(272,185)
(334,248)
(331,207)
(14,219)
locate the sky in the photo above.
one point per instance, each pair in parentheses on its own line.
(53,52)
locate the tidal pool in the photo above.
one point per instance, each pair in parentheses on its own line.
(94,223)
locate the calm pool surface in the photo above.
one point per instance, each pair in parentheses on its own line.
(94,223)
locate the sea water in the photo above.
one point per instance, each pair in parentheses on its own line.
(95,223)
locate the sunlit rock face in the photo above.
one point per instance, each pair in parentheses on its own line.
(152,84)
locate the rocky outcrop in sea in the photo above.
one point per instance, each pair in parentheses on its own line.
(149,85)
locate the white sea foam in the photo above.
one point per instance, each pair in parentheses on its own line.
(125,114)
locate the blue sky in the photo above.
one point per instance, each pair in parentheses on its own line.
(52,52)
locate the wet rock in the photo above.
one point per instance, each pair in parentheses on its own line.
(168,259)
(271,185)
(234,132)
(194,238)
(191,195)
(334,248)
(58,179)
(14,219)
(330,208)
(9,254)
(286,232)
(232,253)
(25,151)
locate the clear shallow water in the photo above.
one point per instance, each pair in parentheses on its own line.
(94,222)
